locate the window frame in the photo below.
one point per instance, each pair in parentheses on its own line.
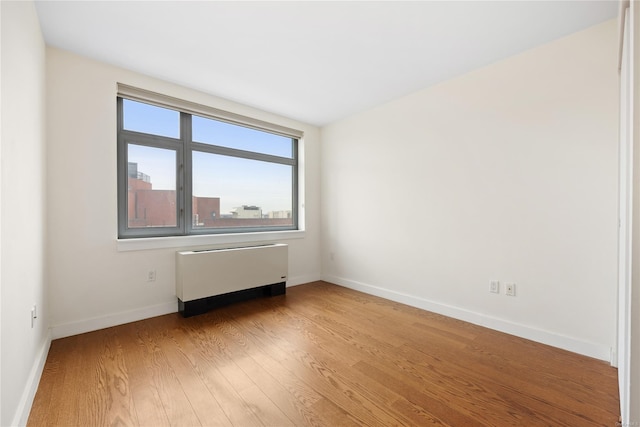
(184,146)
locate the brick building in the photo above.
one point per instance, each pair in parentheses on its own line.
(157,208)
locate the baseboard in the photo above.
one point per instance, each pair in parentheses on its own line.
(29,393)
(574,345)
(95,323)
(301,280)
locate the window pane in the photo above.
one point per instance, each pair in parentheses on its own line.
(147,118)
(233,192)
(214,132)
(152,200)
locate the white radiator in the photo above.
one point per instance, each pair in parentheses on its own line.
(218,276)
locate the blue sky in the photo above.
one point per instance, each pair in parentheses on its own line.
(236,181)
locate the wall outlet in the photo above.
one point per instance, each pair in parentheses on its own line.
(510,289)
(494,287)
(34,315)
(151,276)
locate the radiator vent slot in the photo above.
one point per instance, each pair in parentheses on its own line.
(210,278)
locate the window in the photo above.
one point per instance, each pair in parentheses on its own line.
(186,169)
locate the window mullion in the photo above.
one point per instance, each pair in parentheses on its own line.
(295,184)
(122,175)
(234,152)
(187,175)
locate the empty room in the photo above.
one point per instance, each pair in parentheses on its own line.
(323,213)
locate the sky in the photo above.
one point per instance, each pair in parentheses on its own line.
(236,181)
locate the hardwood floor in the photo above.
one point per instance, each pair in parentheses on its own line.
(322,355)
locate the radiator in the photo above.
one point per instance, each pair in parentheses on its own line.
(211,278)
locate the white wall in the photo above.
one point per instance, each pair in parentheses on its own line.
(92,283)
(634,374)
(22,203)
(514,168)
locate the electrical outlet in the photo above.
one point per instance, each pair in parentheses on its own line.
(510,289)
(34,314)
(151,276)
(494,287)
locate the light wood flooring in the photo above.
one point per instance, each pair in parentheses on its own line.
(322,355)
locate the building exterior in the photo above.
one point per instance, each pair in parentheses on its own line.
(279,214)
(244,211)
(158,208)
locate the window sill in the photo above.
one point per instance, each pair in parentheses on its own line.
(126,245)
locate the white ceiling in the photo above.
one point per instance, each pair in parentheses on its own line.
(313,61)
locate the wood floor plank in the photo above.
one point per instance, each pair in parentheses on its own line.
(145,395)
(438,398)
(210,337)
(66,409)
(317,310)
(113,395)
(382,310)
(48,399)
(203,403)
(330,335)
(512,378)
(264,409)
(333,415)
(368,351)
(321,355)
(301,396)
(174,401)
(251,360)
(455,339)
(561,382)
(206,365)
(340,387)
(303,393)
(557,367)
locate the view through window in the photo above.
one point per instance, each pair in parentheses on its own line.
(182,173)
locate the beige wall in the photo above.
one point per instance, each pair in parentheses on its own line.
(22,207)
(514,169)
(94,284)
(634,374)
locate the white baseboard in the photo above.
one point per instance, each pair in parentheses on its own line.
(95,323)
(301,280)
(574,345)
(107,321)
(23,410)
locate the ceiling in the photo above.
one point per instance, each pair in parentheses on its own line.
(316,62)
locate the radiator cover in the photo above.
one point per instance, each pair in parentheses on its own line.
(210,278)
